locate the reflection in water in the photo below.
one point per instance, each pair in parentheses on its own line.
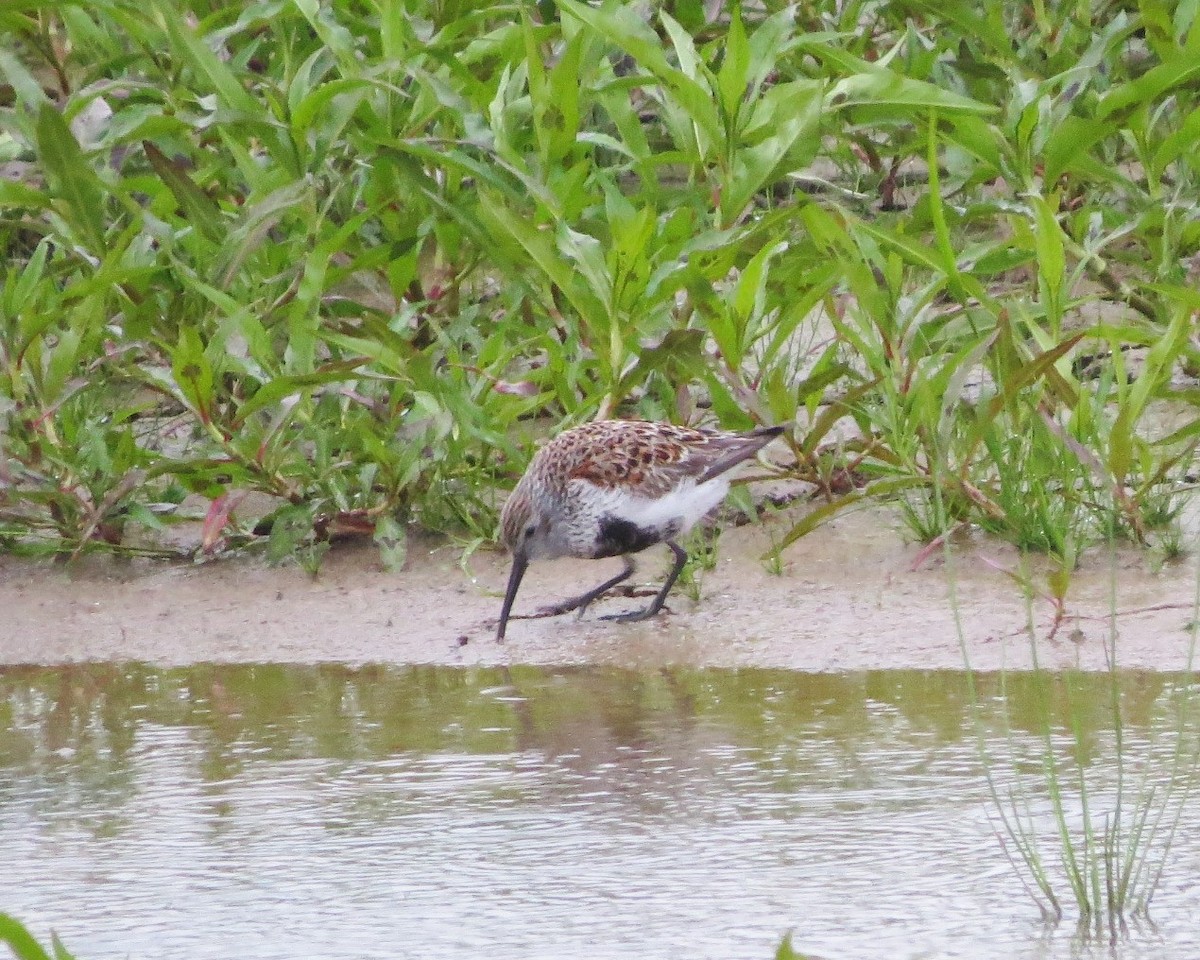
(281,811)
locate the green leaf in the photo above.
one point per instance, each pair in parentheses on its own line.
(193,372)
(881,91)
(786,125)
(198,207)
(71,175)
(772,37)
(1024,374)
(976,136)
(1120,444)
(690,62)
(1179,142)
(540,246)
(809,289)
(336,99)
(16,936)
(279,388)
(818,515)
(24,84)
(911,250)
(559,116)
(291,527)
(26,282)
(733,78)
(207,65)
(1150,86)
(1160,361)
(1070,138)
(956,370)
(334,35)
(750,291)
(937,211)
(625,27)
(254,226)
(392,539)
(680,354)
(1051,257)
(983,22)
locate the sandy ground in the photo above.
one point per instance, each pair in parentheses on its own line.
(846,600)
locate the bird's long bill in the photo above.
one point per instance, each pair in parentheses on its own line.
(514,581)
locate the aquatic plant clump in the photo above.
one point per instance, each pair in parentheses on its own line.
(303,271)
(1085,819)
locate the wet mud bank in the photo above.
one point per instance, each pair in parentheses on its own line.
(846,599)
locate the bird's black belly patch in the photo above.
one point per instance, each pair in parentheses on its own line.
(619,536)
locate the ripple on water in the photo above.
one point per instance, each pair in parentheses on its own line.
(608,816)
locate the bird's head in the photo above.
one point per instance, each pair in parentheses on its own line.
(525,532)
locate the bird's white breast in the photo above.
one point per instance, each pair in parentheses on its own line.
(679,509)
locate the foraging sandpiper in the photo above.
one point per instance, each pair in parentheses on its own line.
(613,488)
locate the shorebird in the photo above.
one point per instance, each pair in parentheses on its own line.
(613,488)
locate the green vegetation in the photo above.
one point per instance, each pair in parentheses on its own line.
(24,945)
(1104,840)
(1099,841)
(353,255)
(341,253)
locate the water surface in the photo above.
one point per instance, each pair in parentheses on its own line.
(281,812)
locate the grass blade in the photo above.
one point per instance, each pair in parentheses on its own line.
(71,176)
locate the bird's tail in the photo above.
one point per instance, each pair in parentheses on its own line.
(737,447)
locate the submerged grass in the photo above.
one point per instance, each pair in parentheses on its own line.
(337,255)
(1097,850)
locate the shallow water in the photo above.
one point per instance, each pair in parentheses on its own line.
(278,811)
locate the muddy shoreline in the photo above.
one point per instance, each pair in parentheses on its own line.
(846,600)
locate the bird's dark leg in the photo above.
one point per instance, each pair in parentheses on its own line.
(581,602)
(661,597)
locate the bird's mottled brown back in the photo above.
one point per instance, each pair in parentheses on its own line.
(651,458)
(647,456)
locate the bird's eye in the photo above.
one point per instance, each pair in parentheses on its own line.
(530,531)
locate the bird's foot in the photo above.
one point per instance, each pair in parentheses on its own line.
(634,616)
(558,609)
(581,603)
(541,613)
(633,591)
